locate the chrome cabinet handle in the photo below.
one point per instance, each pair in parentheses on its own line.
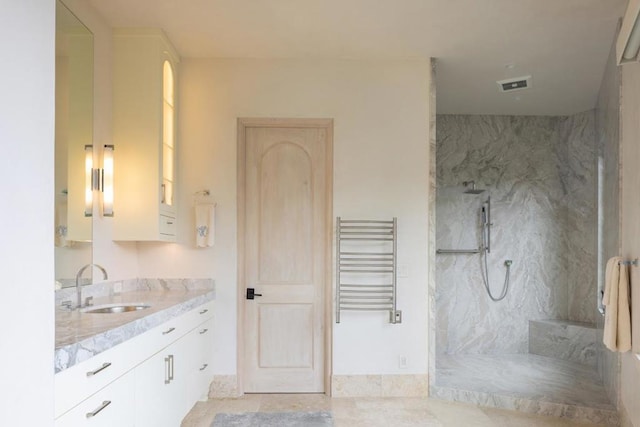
(168,331)
(167,371)
(204,366)
(100,369)
(97,411)
(204,331)
(204,311)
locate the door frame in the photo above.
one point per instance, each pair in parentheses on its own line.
(327,124)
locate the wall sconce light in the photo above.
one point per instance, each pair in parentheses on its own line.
(628,43)
(107,181)
(89,180)
(98,180)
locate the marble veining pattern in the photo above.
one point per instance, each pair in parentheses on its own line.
(571,341)
(80,336)
(529,383)
(530,166)
(578,173)
(106,288)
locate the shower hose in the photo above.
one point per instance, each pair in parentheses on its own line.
(485,278)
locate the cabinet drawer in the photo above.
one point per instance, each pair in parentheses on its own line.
(199,314)
(167,225)
(84,379)
(165,334)
(204,370)
(112,406)
(205,343)
(198,361)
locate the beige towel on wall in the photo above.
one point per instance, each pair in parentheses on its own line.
(617,319)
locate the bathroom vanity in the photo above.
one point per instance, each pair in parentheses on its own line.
(144,367)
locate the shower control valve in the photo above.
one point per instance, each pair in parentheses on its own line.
(508,262)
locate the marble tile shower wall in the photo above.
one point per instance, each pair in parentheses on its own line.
(540,173)
(578,166)
(608,140)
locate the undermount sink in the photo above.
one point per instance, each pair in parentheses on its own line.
(116,308)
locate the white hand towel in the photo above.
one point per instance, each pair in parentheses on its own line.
(60,238)
(617,320)
(205,224)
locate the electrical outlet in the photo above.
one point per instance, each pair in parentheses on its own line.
(396,317)
(403,362)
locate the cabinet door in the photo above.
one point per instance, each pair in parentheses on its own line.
(144,134)
(160,388)
(111,406)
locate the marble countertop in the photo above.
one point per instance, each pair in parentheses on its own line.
(80,336)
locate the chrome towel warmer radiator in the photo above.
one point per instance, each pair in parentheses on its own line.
(366,263)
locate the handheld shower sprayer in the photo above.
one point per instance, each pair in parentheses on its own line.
(485,228)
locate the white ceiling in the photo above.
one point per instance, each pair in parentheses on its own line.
(563,44)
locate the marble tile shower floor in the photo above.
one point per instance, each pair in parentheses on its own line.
(526,382)
(376,412)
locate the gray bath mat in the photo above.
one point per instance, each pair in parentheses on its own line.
(274,419)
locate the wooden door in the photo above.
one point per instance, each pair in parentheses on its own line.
(287,226)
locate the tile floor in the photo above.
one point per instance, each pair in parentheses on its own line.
(528,376)
(524,375)
(527,382)
(373,412)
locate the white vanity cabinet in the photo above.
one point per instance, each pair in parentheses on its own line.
(144,132)
(167,385)
(111,406)
(152,379)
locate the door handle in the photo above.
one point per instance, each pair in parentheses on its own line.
(251,293)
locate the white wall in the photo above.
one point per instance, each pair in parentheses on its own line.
(27,36)
(381,114)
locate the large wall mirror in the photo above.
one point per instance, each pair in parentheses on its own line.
(73,146)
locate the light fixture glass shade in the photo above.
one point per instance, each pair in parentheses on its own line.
(628,42)
(88,180)
(107,181)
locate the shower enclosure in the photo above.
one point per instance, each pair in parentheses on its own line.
(535,350)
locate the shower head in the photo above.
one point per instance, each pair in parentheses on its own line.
(471,188)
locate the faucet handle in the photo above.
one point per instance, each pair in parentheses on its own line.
(88,301)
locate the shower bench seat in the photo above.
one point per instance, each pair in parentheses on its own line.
(563,339)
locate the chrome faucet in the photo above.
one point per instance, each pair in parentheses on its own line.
(79,276)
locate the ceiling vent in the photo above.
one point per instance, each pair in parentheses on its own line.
(514,84)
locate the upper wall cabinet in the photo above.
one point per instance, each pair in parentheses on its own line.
(144,118)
